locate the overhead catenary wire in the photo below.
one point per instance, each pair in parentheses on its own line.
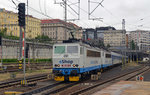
(87,13)
(75,16)
(37,11)
(45,6)
(40,6)
(41,12)
(48,15)
(53,18)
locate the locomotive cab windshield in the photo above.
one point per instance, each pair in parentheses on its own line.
(67,49)
(66,55)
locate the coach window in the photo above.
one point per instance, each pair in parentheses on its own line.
(81,50)
(72,49)
(59,49)
(93,53)
(108,55)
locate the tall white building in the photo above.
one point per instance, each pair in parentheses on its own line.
(141,39)
(115,38)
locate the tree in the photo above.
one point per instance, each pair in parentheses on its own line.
(3,32)
(132,45)
(108,45)
(43,38)
(10,33)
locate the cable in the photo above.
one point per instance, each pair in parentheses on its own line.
(11,1)
(75,16)
(14,3)
(45,6)
(40,6)
(111,13)
(37,11)
(87,13)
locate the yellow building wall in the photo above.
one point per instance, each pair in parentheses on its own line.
(9,20)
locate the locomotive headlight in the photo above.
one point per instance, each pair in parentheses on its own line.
(73,65)
(77,65)
(57,65)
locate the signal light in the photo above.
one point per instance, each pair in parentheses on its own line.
(58,65)
(21,14)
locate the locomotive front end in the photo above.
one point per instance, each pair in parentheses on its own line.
(66,62)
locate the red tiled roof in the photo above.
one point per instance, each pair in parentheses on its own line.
(59,21)
(74,24)
(52,21)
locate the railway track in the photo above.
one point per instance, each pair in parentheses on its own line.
(61,86)
(4,85)
(16,68)
(87,90)
(52,88)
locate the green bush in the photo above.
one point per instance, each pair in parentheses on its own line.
(31,60)
(10,60)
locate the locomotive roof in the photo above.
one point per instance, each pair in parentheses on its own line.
(81,44)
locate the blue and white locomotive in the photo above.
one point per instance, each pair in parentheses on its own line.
(72,60)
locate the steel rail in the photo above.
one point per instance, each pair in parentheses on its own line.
(18,81)
(129,75)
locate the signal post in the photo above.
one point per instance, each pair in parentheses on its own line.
(21,20)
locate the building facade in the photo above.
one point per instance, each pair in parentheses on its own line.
(100,32)
(97,33)
(59,30)
(115,38)
(141,39)
(89,34)
(9,21)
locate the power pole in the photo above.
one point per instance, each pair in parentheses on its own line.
(56,35)
(89,9)
(1,40)
(65,15)
(20,44)
(65,4)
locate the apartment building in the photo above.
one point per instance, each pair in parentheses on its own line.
(141,39)
(100,31)
(97,33)
(9,21)
(59,30)
(115,38)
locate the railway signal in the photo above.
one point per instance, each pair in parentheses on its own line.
(21,14)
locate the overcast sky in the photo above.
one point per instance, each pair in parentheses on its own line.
(135,12)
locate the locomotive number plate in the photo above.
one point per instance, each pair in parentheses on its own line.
(66,65)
